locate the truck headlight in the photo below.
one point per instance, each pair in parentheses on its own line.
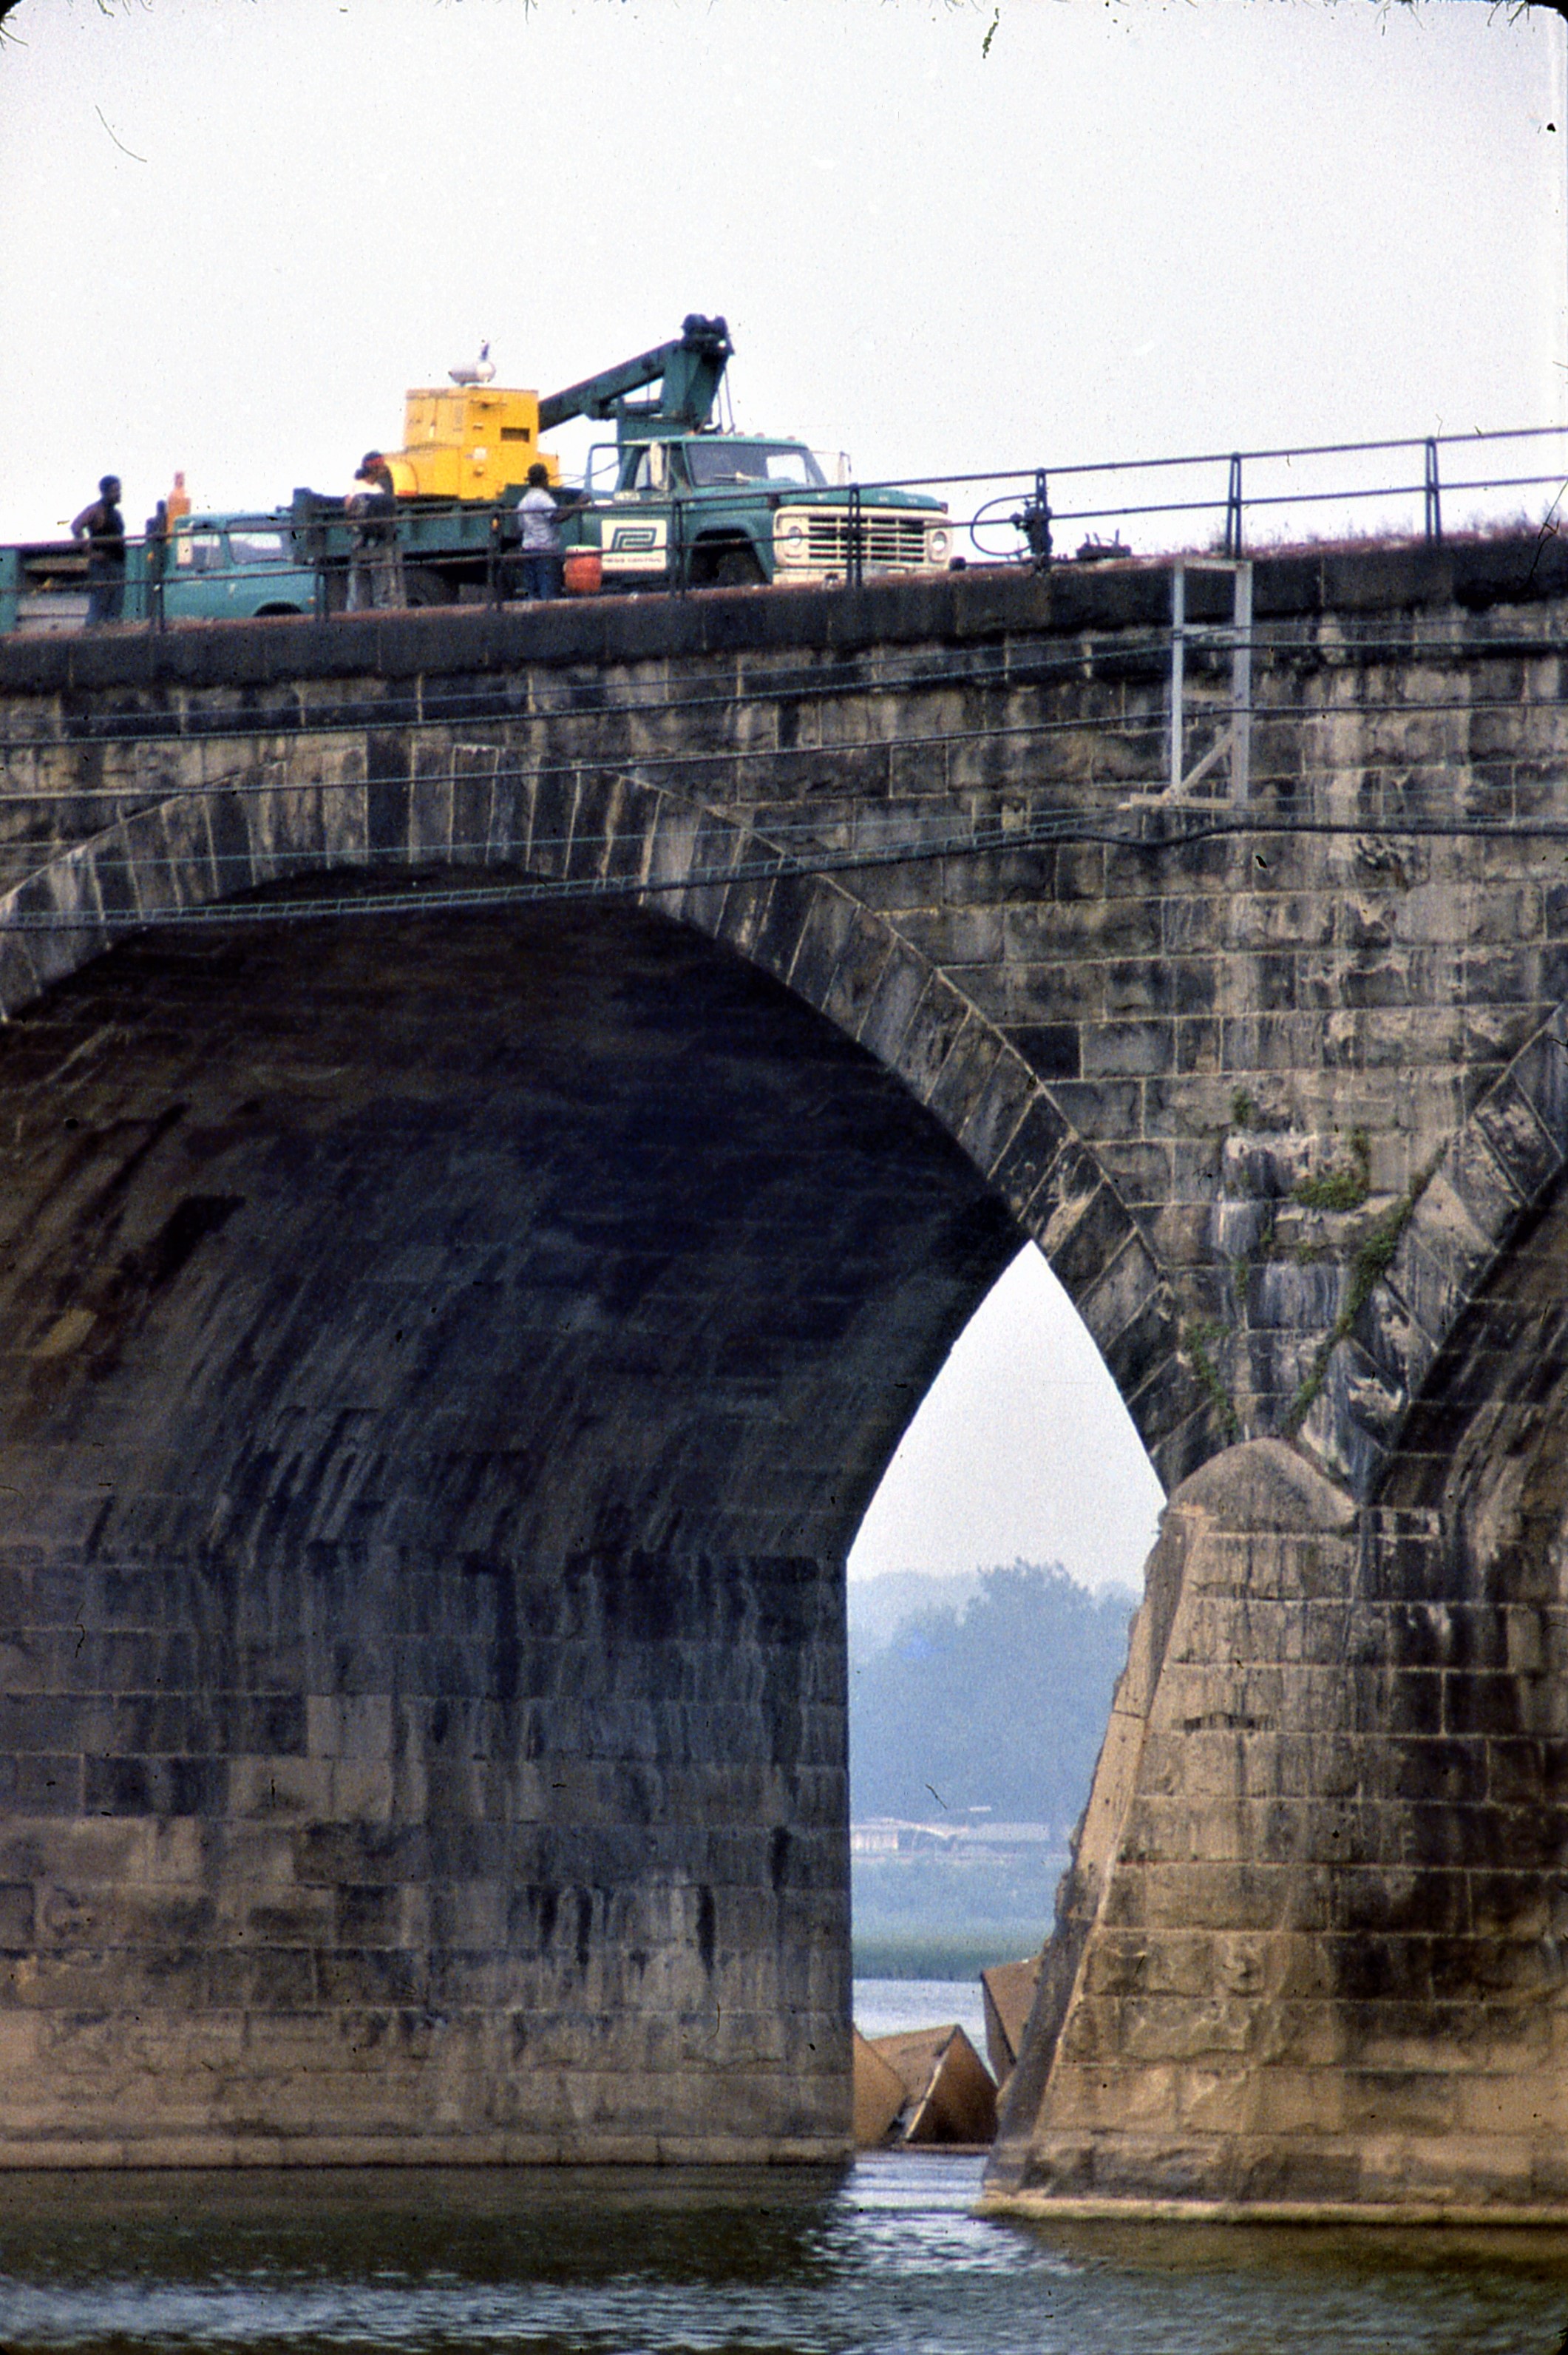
(791,536)
(936,546)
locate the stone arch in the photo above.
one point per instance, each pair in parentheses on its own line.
(415,1684)
(586,832)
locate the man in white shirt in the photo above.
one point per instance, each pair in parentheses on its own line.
(538,536)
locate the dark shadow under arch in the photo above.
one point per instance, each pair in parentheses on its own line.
(471,815)
(446,1361)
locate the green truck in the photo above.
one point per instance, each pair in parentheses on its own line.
(674,503)
(671,502)
(215,567)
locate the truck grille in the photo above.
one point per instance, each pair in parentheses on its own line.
(884,539)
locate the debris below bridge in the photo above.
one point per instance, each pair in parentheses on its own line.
(926,2085)
(1008,1991)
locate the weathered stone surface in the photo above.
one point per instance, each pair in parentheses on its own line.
(427,1464)
(447,1357)
(1307,1962)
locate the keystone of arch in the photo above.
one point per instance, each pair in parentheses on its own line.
(616,835)
(1495,1171)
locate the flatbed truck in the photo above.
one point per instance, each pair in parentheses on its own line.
(672,502)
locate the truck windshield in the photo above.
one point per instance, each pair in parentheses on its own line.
(717,462)
(200,551)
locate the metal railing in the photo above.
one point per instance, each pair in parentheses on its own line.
(1232,489)
(1234,495)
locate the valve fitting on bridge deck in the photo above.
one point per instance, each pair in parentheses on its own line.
(1034,521)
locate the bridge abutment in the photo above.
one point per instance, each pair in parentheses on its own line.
(396,1904)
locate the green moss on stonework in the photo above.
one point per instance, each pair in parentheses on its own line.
(1197,1340)
(1344,1188)
(1370,1261)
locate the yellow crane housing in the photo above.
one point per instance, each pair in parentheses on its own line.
(467,442)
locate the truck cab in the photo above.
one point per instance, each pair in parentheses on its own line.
(715,509)
(214,567)
(235,568)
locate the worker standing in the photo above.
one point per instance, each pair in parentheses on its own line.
(154,556)
(376,560)
(538,536)
(103,527)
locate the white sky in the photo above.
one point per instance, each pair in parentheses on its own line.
(1021,1448)
(1130,229)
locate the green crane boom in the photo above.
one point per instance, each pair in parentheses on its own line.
(689,373)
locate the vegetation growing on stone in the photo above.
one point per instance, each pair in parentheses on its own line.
(1371,1261)
(1199,1338)
(1345,1187)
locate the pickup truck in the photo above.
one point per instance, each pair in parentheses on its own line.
(215,568)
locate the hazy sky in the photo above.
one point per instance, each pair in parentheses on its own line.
(1128,228)
(1022,1448)
(236,230)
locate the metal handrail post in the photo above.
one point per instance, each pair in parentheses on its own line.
(1177,670)
(154,552)
(1241,687)
(1234,510)
(1432,490)
(854,568)
(492,569)
(1040,538)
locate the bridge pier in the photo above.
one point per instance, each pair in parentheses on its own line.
(427,1482)
(1310,1961)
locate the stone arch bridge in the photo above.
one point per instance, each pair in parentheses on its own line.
(502,1117)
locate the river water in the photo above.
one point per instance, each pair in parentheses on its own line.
(884,2258)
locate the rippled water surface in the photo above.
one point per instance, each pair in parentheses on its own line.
(883,2007)
(887,2257)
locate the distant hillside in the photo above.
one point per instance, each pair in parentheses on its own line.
(994,1699)
(879,1606)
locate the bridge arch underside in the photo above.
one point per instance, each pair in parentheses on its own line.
(447,1360)
(1315,1953)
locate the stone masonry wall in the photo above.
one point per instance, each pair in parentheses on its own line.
(1243,1051)
(434,1378)
(607,1253)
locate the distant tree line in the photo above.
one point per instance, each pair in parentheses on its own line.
(1001,1705)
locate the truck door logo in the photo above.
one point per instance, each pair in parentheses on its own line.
(635,547)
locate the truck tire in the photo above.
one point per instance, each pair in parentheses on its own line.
(423,587)
(736,568)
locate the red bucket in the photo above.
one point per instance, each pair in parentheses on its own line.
(584,573)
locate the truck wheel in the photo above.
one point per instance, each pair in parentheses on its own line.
(423,587)
(736,568)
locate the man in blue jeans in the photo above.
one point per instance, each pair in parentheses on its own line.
(538,536)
